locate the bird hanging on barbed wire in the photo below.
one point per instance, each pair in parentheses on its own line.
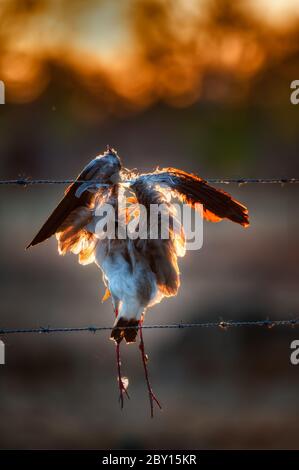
(137,271)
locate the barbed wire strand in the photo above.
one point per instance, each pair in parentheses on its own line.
(224,325)
(241,181)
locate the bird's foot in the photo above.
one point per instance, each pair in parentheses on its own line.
(106,295)
(122,383)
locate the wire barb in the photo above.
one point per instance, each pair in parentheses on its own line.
(224,325)
(240,181)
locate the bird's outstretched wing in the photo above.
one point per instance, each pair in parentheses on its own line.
(104,169)
(191,189)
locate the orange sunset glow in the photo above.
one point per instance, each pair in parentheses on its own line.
(133,53)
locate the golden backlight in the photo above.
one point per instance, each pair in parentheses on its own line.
(137,52)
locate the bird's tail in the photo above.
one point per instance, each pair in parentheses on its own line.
(125,329)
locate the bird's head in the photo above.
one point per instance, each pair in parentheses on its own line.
(104,167)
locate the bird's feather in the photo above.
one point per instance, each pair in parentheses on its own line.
(161,253)
(102,169)
(192,189)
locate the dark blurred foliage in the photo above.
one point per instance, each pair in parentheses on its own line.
(127,55)
(200,85)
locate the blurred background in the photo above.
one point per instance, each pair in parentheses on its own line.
(202,85)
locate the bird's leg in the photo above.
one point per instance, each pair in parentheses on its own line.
(121,385)
(152,397)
